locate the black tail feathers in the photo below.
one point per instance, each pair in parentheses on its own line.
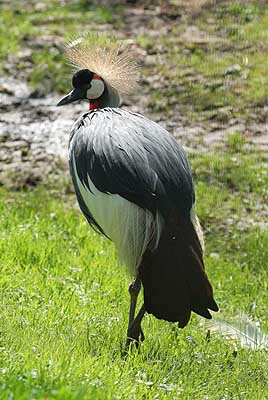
(173,276)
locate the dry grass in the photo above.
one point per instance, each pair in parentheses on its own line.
(194,7)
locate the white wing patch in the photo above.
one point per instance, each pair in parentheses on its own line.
(130,227)
(198,228)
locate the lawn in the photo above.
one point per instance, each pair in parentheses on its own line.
(64,300)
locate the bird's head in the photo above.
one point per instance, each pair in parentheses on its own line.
(86,85)
(105,71)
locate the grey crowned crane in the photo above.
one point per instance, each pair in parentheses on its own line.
(134,185)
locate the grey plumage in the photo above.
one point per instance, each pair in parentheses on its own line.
(124,153)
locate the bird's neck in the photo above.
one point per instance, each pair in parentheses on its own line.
(109,98)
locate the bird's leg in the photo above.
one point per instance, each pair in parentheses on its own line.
(134,290)
(134,332)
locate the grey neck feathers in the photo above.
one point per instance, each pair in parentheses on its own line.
(110,98)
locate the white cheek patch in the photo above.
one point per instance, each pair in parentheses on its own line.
(96,90)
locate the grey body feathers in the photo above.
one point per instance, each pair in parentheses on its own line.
(124,153)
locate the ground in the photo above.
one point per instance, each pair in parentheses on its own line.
(63,295)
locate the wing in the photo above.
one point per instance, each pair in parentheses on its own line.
(126,154)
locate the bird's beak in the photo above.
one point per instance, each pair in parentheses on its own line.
(75,94)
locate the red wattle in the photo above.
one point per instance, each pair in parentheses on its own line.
(95,76)
(93,104)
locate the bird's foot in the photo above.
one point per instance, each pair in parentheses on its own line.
(135,335)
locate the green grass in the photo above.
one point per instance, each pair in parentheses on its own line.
(224,72)
(64,300)
(63,294)
(54,22)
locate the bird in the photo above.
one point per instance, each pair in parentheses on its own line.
(134,185)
